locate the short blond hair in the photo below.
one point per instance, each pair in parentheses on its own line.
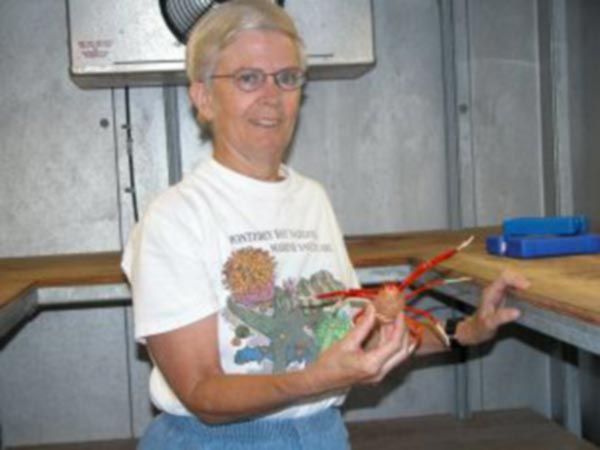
(216,29)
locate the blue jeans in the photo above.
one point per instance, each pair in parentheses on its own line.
(321,431)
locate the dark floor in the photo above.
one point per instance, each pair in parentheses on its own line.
(493,430)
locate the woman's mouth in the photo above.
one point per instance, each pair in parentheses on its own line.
(266,122)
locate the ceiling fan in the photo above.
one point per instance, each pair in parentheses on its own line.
(181,15)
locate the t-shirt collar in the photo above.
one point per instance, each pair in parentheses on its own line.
(253,185)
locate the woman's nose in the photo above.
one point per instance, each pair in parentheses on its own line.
(270,87)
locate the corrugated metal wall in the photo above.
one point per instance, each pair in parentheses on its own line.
(377,143)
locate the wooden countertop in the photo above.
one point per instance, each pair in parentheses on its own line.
(11,289)
(567,285)
(19,274)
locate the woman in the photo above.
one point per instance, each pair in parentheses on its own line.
(224,265)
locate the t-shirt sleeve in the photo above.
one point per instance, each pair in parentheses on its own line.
(350,278)
(170,283)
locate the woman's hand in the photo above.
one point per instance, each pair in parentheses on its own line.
(491,314)
(350,361)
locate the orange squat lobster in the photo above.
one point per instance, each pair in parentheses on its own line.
(389,300)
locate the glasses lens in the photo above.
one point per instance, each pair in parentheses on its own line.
(249,79)
(290,79)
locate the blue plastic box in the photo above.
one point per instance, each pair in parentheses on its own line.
(539,247)
(560,225)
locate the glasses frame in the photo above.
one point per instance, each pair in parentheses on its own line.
(264,75)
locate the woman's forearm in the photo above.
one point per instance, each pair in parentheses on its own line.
(225,398)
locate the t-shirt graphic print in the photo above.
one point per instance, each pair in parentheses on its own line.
(282,326)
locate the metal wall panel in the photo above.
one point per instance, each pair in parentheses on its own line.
(584,85)
(505,109)
(194,150)
(139,376)
(505,171)
(141,149)
(57,160)
(141,142)
(583,82)
(590,395)
(516,372)
(377,142)
(63,376)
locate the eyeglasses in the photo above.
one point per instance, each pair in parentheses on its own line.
(249,80)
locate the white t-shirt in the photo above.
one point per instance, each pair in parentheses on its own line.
(254,252)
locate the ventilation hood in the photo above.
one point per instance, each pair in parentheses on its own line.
(115,43)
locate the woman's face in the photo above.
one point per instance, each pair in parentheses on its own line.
(251,128)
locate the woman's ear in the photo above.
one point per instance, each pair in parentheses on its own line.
(201,98)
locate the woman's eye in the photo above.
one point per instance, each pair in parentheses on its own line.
(290,78)
(287,78)
(249,77)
